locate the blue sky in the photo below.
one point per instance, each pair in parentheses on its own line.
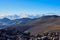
(25,8)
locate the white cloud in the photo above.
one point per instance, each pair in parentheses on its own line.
(23,15)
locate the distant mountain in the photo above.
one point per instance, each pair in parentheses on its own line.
(37,25)
(22,20)
(5,21)
(8,22)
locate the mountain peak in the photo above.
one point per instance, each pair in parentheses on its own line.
(48,16)
(5,19)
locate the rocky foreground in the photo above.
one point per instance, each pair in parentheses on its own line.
(17,35)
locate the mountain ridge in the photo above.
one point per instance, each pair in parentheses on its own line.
(39,25)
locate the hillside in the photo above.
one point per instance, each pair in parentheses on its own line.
(44,24)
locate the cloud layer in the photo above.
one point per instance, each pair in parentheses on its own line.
(24,14)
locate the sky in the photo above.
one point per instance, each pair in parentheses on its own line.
(29,8)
